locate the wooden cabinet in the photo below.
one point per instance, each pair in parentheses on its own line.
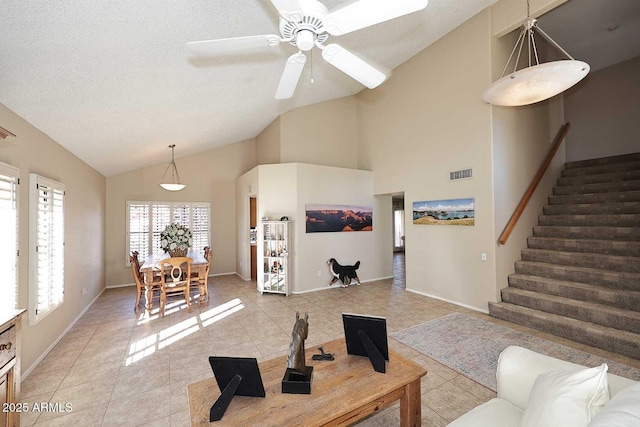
(10,368)
(275,257)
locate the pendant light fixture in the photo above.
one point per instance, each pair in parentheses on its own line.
(173,184)
(537,81)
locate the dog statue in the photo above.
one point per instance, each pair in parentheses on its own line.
(344,273)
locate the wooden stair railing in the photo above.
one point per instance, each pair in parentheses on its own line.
(534,184)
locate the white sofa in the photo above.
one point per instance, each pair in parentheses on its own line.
(518,369)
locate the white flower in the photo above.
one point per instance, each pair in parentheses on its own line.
(176,236)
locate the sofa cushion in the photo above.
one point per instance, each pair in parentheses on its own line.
(567,399)
(623,410)
(494,413)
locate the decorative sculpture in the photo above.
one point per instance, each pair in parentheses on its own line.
(297,377)
(300,332)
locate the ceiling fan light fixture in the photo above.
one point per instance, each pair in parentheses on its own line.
(305,40)
(174,183)
(535,82)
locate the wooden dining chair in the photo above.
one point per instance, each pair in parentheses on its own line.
(175,278)
(199,280)
(140,280)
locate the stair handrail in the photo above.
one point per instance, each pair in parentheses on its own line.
(534,184)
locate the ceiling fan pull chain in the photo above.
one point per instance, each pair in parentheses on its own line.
(311,66)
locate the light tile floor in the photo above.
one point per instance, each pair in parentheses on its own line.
(120,369)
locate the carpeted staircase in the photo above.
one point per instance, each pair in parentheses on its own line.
(579,276)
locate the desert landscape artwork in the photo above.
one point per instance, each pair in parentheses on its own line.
(338,218)
(444,212)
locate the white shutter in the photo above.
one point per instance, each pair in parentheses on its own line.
(182,214)
(46,237)
(200,225)
(138,229)
(160,218)
(9,177)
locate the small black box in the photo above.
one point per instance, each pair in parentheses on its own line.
(296,383)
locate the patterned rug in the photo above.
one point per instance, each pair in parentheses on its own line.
(471,346)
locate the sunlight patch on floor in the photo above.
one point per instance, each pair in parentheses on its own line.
(209,317)
(150,344)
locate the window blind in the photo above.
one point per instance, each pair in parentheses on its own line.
(9,180)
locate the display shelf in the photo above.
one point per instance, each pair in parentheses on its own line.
(274,257)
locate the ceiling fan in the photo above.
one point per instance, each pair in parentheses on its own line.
(308,23)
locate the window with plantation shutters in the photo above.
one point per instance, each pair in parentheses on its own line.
(9,180)
(46,241)
(200,213)
(160,218)
(146,220)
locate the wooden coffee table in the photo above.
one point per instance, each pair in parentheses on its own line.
(342,391)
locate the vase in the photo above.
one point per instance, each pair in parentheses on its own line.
(178,252)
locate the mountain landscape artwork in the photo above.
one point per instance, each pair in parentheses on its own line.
(338,218)
(444,212)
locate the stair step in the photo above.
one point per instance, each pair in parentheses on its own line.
(577,199)
(617,341)
(578,291)
(593,209)
(605,262)
(623,158)
(612,317)
(630,175)
(601,187)
(599,169)
(619,220)
(602,233)
(592,276)
(608,247)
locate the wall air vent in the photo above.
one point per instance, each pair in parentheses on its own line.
(461,174)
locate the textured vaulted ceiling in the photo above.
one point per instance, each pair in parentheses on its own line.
(112,82)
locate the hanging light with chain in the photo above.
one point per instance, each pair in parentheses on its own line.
(537,81)
(174,183)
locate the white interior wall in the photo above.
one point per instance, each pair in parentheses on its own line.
(372,248)
(34,152)
(285,189)
(424,122)
(616,90)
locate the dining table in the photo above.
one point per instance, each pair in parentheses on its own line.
(152,266)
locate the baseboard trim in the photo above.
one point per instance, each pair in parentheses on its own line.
(338,285)
(239,275)
(26,373)
(124,285)
(424,294)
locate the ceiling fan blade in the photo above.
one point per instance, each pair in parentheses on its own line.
(355,67)
(365,13)
(286,5)
(291,75)
(295,10)
(214,47)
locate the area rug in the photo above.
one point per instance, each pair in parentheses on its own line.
(471,346)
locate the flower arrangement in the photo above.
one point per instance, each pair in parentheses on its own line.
(176,239)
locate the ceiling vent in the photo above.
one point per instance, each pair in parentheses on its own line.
(461,174)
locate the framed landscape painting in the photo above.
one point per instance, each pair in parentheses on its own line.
(338,218)
(444,212)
